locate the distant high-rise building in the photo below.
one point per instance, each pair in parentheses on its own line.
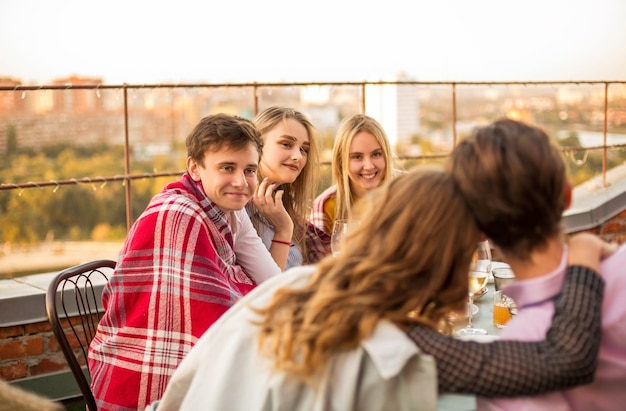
(396,107)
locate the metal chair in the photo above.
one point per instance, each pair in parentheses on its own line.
(74,308)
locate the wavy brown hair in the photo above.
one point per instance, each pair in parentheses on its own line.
(406,261)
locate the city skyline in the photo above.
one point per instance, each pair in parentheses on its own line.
(150,43)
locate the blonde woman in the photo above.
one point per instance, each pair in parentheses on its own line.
(362,161)
(288,178)
(333,336)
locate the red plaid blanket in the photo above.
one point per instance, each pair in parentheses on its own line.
(175,276)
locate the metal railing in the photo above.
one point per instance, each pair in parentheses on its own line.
(256,88)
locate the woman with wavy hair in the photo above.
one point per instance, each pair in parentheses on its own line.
(335,333)
(288,177)
(335,336)
(362,161)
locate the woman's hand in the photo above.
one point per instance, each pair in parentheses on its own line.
(269,202)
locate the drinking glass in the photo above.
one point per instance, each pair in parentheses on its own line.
(501,310)
(502,276)
(478,276)
(339,229)
(481,261)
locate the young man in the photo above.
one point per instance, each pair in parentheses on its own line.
(190,256)
(515,181)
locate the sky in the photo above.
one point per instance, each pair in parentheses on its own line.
(215,41)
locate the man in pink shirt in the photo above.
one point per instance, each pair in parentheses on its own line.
(515,180)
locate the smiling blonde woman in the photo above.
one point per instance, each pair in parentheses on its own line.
(362,161)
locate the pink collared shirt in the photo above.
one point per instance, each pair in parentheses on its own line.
(535,300)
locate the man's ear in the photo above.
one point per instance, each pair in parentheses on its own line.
(568,195)
(192,169)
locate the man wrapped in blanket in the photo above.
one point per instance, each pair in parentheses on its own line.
(191,255)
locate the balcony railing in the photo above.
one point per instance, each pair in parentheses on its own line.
(445,110)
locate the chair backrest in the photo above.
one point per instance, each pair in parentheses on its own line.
(73,306)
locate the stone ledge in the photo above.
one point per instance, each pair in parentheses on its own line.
(23,299)
(594,202)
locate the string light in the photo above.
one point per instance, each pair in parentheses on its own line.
(579,161)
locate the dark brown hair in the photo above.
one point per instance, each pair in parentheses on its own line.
(218,130)
(514,179)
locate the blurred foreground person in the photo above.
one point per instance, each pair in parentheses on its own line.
(515,181)
(334,336)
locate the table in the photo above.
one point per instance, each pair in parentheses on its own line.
(483,319)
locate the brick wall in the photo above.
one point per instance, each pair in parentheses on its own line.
(613,230)
(31,350)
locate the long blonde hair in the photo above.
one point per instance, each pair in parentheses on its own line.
(350,127)
(299,195)
(409,253)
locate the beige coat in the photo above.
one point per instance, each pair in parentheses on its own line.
(224,371)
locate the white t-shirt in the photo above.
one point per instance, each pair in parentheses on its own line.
(252,255)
